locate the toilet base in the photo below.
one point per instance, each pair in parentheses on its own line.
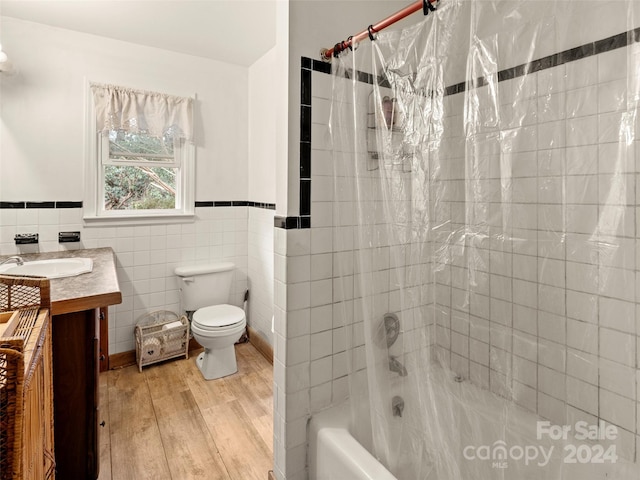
(217,363)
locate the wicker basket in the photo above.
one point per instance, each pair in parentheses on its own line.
(26,388)
(157,338)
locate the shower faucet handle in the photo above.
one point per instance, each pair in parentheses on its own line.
(397,406)
(396,366)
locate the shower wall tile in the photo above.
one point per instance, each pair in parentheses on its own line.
(617,410)
(535,290)
(570,287)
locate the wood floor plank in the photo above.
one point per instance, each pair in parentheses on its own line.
(105,436)
(248,354)
(244,452)
(105,462)
(165,378)
(250,387)
(264,426)
(136,446)
(191,452)
(206,393)
(168,422)
(243,389)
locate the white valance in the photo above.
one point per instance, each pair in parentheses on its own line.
(121,108)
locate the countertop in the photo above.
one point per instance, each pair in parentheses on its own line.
(98,288)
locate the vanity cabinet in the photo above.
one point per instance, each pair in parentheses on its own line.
(78,315)
(76,363)
(76,306)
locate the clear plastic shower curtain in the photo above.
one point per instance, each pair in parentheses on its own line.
(485,231)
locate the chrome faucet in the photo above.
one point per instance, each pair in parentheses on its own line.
(19,261)
(396,366)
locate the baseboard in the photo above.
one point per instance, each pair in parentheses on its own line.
(122,359)
(193,345)
(261,344)
(125,359)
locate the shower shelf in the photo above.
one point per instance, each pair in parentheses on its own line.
(403,164)
(394,128)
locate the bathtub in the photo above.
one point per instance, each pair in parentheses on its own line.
(336,454)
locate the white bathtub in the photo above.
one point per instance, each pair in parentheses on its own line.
(335,453)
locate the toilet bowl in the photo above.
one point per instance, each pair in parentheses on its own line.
(217,328)
(215,324)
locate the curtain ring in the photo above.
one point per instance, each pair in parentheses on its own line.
(350,43)
(427,7)
(370,29)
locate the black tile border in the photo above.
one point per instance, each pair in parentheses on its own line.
(44,204)
(234,203)
(40,204)
(7,205)
(68,204)
(198,204)
(304,220)
(567,56)
(292,223)
(308,64)
(266,206)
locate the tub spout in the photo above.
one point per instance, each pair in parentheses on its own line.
(396,366)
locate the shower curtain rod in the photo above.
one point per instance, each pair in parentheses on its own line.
(425,5)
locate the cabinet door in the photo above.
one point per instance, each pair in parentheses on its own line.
(75,373)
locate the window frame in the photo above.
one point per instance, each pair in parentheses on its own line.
(97,156)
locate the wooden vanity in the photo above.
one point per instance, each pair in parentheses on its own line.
(79,315)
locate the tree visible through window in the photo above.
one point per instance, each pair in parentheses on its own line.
(140,172)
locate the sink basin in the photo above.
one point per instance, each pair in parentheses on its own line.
(53,268)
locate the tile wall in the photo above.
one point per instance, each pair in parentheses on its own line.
(260,270)
(549,319)
(147,255)
(543,309)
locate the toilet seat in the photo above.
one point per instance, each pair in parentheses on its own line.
(219,318)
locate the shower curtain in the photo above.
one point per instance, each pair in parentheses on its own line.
(485,197)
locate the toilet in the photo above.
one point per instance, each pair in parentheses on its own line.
(216,325)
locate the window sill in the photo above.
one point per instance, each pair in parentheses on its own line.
(129,220)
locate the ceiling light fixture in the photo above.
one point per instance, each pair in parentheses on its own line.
(5,63)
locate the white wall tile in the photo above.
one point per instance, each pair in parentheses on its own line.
(618,346)
(618,410)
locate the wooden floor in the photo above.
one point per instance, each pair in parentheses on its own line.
(169,423)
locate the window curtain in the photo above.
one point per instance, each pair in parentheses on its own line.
(121,108)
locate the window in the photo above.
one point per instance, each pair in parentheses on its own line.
(141,155)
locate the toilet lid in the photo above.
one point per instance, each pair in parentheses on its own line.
(217,316)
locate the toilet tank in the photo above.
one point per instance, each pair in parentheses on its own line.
(204,285)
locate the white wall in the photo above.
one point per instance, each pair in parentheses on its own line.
(316,24)
(260,271)
(282,110)
(42,109)
(263,102)
(42,159)
(263,137)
